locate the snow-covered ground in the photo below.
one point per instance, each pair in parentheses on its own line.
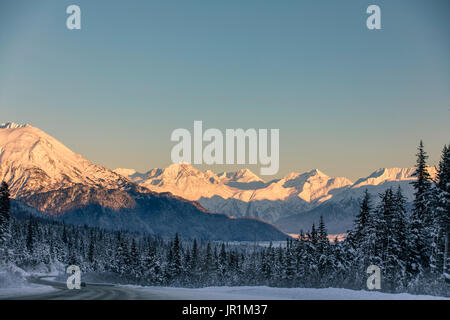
(268,293)
(14,283)
(25,290)
(49,287)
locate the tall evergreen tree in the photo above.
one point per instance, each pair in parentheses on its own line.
(313,236)
(5,230)
(369,249)
(208,265)
(322,234)
(135,260)
(325,256)
(400,227)
(420,220)
(91,252)
(422,186)
(30,236)
(362,219)
(177,256)
(390,234)
(440,258)
(223,263)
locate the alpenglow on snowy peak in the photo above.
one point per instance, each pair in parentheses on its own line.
(339,210)
(390,174)
(182,180)
(243,193)
(241,176)
(188,182)
(32,161)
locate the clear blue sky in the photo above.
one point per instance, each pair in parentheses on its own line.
(346,100)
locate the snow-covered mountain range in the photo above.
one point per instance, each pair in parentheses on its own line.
(47,178)
(293,202)
(241,193)
(45,174)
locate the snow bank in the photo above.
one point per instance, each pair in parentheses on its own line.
(25,290)
(268,293)
(12,276)
(14,283)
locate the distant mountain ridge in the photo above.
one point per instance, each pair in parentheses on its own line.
(339,211)
(181,179)
(293,202)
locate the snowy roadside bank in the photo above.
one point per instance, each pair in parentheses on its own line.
(26,289)
(14,283)
(104,292)
(269,293)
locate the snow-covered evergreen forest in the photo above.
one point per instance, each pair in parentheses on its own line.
(410,247)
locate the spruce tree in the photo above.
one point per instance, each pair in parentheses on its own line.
(322,235)
(368,252)
(134,262)
(5,230)
(222,269)
(391,238)
(313,236)
(30,236)
(400,227)
(362,219)
(176,266)
(418,255)
(91,251)
(194,257)
(208,265)
(289,267)
(324,254)
(441,223)
(421,185)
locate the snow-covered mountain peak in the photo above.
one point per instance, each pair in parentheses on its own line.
(317,172)
(242,176)
(383,175)
(313,185)
(31,161)
(181,167)
(210,173)
(13,125)
(125,172)
(181,179)
(180,172)
(246,175)
(303,176)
